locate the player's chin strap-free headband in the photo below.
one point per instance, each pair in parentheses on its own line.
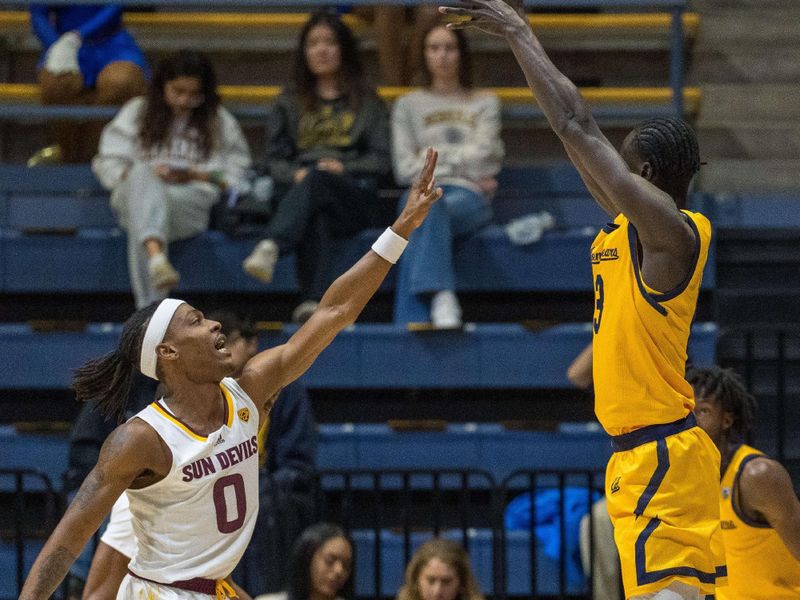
(154,335)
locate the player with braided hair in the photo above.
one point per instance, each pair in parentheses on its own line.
(759,509)
(661,484)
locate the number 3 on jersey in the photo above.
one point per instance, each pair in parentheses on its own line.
(235,483)
(599,298)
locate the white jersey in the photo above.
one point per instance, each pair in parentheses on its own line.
(119,531)
(197,521)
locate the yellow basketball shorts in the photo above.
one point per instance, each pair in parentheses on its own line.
(662,488)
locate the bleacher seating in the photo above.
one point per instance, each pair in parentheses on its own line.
(493,356)
(57,234)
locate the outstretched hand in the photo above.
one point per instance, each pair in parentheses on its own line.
(421,197)
(497,17)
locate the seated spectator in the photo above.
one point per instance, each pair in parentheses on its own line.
(328,148)
(287,449)
(451,115)
(320,567)
(167,158)
(89,58)
(440,570)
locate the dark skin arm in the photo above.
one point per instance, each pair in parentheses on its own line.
(667,239)
(766,494)
(269,371)
(109,567)
(132,456)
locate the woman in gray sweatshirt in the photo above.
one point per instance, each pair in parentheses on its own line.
(328,148)
(464,125)
(167,157)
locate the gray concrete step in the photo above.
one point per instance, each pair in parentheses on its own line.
(727,104)
(751,140)
(765,65)
(726,175)
(750,27)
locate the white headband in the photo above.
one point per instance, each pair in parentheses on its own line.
(154,335)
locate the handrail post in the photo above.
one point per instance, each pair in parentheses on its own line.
(676,75)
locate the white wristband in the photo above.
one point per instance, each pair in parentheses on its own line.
(389,245)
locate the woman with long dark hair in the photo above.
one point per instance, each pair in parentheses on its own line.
(189,461)
(327,151)
(167,158)
(320,567)
(449,113)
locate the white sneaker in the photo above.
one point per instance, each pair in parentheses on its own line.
(163,275)
(261,262)
(445,310)
(304,310)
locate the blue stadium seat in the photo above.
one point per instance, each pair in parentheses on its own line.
(94,260)
(489,447)
(8,565)
(753,211)
(87,253)
(479,544)
(364,356)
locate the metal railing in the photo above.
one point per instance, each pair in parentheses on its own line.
(392,509)
(767,356)
(13,482)
(459,504)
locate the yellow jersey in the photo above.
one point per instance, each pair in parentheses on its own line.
(759,563)
(641,334)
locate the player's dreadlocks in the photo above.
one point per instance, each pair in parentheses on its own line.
(725,387)
(107,380)
(670,146)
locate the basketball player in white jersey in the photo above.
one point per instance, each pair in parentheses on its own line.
(189,462)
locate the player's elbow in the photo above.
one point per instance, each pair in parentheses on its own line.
(579,377)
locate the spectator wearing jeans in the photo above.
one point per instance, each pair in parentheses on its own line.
(464,124)
(327,151)
(89,58)
(167,158)
(440,570)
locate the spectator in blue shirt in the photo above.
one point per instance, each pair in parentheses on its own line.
(89,58)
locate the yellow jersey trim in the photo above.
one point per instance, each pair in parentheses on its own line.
(188,430)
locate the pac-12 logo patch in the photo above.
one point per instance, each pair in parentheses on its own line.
(244,414)
(726,492)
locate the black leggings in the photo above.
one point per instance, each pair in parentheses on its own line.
(312,218)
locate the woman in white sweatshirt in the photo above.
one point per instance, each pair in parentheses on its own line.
(167,158)
(464,124)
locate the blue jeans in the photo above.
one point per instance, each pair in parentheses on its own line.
(426,266)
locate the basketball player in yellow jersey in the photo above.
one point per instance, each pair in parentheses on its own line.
(759,509)
(648,264)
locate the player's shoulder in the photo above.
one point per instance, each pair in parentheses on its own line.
(762,471)
(135,442)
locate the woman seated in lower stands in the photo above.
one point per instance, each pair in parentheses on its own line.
(321,566)
(451,115)
(167,158)
(440,570)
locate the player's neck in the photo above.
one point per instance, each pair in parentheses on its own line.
(200,405)
(726,450)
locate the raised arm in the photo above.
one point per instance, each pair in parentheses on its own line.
(766,489)
(131,450)
(660,226)
(272,369)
